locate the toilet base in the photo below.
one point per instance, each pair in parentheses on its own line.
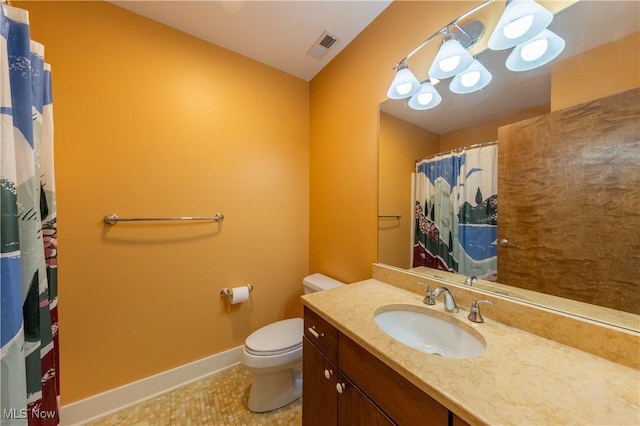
(274,389)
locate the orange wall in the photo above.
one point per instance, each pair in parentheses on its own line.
(344,132)
(401,144)
(487,131)
(152,122)
(603,71)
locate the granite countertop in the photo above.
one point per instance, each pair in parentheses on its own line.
(521,378)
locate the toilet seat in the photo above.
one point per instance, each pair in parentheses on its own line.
(270,353)
(275,339)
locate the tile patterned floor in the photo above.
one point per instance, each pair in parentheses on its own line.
(220,400)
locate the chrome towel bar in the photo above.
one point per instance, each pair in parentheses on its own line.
(112,218)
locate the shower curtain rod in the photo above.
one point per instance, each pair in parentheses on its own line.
(112,218)
(477,145)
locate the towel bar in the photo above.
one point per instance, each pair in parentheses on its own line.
(112,218)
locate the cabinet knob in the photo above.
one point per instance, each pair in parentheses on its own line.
(313,331)
(340,387)
(328,373)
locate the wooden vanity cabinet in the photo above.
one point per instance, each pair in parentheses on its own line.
(329,397)
(344,384)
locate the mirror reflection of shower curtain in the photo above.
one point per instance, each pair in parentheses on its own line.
(456,212)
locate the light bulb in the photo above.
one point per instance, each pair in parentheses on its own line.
(403,88)
(470,79)
(474,78)
(450,60)
(538,51)
(518,27)
(520,21)
(534,50)
(404,83)
(425,98)
(449,64)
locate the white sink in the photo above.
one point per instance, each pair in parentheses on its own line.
(426,331)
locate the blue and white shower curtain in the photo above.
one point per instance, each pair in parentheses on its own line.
(29,387)
(456,212)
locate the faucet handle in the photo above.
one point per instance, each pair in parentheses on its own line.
(474,314)
(471,280)
(429,298)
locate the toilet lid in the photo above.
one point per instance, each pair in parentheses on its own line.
(278,336)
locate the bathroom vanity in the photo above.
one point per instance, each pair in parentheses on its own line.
(354,373)
(348,385)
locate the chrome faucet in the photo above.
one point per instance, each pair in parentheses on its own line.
(449,301)
(471,280)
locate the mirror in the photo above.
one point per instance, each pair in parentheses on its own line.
(406,135)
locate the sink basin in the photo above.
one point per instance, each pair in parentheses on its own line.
(428,331)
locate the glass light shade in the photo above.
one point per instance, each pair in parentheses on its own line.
(427,98)
(536,52)
(472,79)
(404,84)
(450,60)
(520,21)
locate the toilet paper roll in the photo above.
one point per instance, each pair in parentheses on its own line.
(239,294)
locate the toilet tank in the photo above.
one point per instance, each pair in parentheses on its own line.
(318,282)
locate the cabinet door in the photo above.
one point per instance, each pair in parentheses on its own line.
(319,395)
(355,409)
(457,421)
(400,399)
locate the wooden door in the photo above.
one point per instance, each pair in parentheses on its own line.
(569,203)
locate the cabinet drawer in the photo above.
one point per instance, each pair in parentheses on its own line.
(322,334)
(401,400)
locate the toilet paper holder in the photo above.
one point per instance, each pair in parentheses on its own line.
(227,292)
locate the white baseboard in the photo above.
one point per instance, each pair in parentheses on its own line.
(121,397)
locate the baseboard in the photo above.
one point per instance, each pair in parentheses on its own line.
(121,397)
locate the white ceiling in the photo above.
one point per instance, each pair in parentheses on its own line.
(275,33)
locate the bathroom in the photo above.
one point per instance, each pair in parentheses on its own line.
(143,126)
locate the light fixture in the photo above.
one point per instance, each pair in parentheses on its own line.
(536,52)
(520,21)
(427,98)
(523,24)
(450,59)
(472,79)
(404,84)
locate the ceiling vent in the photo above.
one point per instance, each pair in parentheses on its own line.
(322,45)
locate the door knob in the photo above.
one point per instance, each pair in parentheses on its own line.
(340,387)
(505,243)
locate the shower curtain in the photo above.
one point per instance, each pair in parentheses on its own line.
(456,212)
(29,388)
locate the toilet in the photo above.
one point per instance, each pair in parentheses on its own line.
(273,354)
